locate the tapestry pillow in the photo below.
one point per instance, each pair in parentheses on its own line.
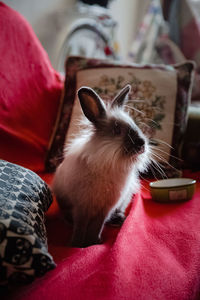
(24,197)
(30,92)
(158,103)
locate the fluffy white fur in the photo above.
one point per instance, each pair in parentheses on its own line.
(95,179)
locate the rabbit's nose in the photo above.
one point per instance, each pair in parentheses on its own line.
(139,145)
(134,144)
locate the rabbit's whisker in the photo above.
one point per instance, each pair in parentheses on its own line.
(134,109)
(158,141)
(158,149)
(164,161)
(157,166)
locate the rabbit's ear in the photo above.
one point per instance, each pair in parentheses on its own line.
(121,98)
(92,105)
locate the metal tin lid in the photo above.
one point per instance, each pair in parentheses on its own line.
(172,182)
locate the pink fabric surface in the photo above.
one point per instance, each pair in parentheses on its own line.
(30,92)
(154,255)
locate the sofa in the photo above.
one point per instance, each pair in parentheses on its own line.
(153,255)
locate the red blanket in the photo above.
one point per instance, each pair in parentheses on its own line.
(154,255)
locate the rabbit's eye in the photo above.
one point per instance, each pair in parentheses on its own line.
(117,129)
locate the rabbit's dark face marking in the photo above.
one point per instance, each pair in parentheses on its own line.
(133,143)
(129,138)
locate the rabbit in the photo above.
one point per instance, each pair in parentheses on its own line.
(100,170)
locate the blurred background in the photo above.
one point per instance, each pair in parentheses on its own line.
(52,19)
(135,30)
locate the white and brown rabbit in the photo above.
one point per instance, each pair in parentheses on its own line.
(99,173)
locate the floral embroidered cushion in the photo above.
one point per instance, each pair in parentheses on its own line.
(158,103)
(24,197)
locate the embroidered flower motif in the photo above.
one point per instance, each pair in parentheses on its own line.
(144,105)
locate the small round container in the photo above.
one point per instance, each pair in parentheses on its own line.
(172,190)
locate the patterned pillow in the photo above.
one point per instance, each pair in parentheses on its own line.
(158,102)
(24,197)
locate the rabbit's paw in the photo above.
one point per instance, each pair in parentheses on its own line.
(116,219)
